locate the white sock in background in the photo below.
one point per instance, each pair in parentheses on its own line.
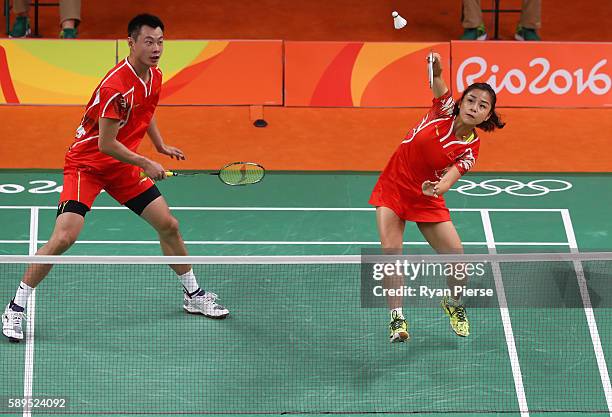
(399,312)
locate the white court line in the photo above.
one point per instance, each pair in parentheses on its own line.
(206,208)
(588,311)
(28,377)
(505,316)
(324,209)
(282,242)
(250,242)
(288,242)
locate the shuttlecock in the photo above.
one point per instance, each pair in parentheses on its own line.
(398,21)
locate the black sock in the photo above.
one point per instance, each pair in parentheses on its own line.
(15,307)
(199,292)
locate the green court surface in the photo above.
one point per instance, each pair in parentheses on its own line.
(113,340)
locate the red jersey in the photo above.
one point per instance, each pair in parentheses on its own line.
(121,95)
(425,154)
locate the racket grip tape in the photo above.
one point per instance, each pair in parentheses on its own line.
(168,174)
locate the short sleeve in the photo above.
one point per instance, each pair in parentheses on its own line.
(442,106)
(112,104)
(466,160)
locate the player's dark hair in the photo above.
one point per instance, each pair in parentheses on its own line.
(494,122)
(143,20)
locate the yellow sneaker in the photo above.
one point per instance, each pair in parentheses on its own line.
(398,328)
(458,317)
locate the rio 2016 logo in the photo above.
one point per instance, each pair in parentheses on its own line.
(515,81)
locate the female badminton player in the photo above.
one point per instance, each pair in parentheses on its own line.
(430,159)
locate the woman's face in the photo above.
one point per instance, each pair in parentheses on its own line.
(475,107)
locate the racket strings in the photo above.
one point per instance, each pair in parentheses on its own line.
(241,174)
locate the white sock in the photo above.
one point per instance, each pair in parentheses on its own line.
(23,293)
(399,312)
(189,282)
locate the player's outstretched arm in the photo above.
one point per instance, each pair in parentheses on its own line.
(158,142)
(109,145)
(439,87)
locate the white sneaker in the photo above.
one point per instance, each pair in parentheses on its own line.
(206,305)
(11,324)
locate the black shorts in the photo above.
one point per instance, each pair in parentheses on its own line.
(136,204)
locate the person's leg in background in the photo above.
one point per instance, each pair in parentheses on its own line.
(21,27)
(531,16)
(473,26)
(70,17)
(391,231)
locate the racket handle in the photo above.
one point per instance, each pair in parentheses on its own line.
(168,174)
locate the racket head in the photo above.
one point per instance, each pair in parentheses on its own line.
(430,62)
(241,173)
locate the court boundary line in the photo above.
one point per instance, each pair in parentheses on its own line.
(228,208)
(278,242)
(588,311)
(505,317)
(282,242)
(28,377)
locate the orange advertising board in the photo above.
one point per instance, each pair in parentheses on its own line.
(315,74)
(220,72)
(52,71)
(359,74)
(537,74)
(229,72)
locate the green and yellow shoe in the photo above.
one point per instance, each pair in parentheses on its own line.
(398,329)
(458,317)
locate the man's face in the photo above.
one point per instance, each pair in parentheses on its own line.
(148,46)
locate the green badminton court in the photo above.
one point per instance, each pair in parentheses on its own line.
(113,339)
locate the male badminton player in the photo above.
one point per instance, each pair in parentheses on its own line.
(103,156)
(431,158)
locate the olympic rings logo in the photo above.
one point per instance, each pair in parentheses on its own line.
(497,186)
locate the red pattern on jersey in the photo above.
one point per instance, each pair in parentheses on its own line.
(425,154)
(121,95)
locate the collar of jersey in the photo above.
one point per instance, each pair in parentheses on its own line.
(147,90)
